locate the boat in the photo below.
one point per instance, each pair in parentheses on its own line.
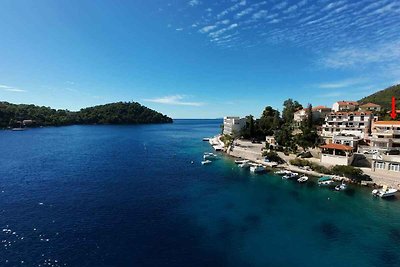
(209,155)
(257,168)
(325,180)
(341,187)
(290,175)
(302,179)
(244,165)
(282,172)
(384,192)
(241,161)
(206,139)
(204,162)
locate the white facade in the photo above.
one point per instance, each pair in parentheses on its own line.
(349,123)
(336,154)
(385,135)
(317,113)
(345,106)
(233,125)
(347,140)
(385,163)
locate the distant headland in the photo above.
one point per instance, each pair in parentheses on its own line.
(24,115)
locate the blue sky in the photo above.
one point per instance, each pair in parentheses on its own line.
(197,58)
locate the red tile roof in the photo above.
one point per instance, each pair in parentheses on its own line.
(343,103)
(388,122)
(351,112)
(320,107)
(338,147)
(370,105)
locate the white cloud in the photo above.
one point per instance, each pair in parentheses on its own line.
(194,3)
(174,100)
(341,84)
(11,89)
(207,28)
(355,56)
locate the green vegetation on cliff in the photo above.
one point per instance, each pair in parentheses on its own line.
(383,97)
(115,113)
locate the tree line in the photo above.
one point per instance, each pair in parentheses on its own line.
(272,123)
(12,115)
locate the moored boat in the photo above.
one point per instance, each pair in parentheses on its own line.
(302,179)
(384,192)
(290,175)
(244,165)
(209,156)
(241,161)
(204,162)
(257,168)
(206,139)
(341,187)
(325,180)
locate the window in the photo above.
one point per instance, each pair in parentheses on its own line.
(394,167)
(380,165)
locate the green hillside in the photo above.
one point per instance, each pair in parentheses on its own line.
(115,113)
(384,97)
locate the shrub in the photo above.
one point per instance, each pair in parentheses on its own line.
(348,171)
(273,156)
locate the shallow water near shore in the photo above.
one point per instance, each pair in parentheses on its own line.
(129,196)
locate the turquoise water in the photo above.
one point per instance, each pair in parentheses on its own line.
(129,196)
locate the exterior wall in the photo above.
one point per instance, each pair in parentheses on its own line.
(372,109)
(336,160)
(343,107)
(233,125)
(357,124)
(385,136)
(346,140)
(386,163)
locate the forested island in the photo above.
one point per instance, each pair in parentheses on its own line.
(18,115)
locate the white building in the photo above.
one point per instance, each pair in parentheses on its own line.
(233,125)
(371,107)
(318,112)
(336,154)
(347,140)
(384,163)
(349,123)
(385,135)
(345,106)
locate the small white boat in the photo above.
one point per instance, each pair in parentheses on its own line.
(244,165)
(282,172)
(206,139)
(290,175)
(257,168)
(241,161)
(341,187)
(325,180)
(302,179)
(209,155)
(384,192)
(204,162)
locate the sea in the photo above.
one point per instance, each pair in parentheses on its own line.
(138,196)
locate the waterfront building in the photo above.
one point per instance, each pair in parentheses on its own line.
(346,139)
(318,112)
(370,107)
(384,163)
(271,141)
(385,136)
(355,123)
(345,106)
(233,125)
(336,154)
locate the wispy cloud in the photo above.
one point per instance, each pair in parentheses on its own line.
(341,84)
(355,56)
(194,2)
(174,100)
(11,89)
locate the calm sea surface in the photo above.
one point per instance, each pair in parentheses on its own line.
(129,196)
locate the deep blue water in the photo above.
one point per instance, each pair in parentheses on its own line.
(129,196)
